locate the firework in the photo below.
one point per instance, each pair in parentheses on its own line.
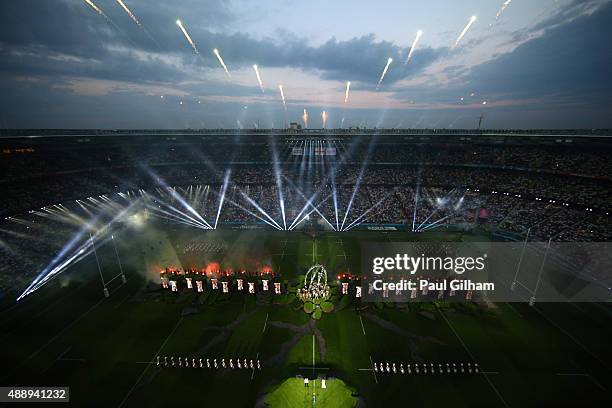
(259,81)
(502,9)
(465,30)
(129,12)
(216,52)
(95,8)
(414,45)
(280,88)
(179,23)
(382,76)
(346,93)
(305,118)
(324,118)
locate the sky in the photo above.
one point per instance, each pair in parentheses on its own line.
(524,64)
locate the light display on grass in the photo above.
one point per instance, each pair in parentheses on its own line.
(315,285)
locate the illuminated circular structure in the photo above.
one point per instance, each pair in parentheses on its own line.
(315,284)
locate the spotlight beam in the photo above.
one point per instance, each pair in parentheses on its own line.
(222,197)
(379,202)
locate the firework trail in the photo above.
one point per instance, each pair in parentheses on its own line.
(502,9)
(259,81)
(100,12)
(129,12)
(216,52)
(324,118)
(305,119)
(342,123)
(346,93)
(280,88)
(414,45)
(465,30)
(179,23)
(382,76)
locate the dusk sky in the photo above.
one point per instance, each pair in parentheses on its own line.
(540,64)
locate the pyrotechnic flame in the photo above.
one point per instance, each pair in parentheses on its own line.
(216,52)
(346,93)
(280,88)
(465,30)
(324,118)
(187,36)
(382,76)
(129,12)
(414,45)
(502,9)
(259,81)
(305,118)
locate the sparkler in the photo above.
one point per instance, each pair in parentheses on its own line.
(346,93)
(129,12)
(465,30)
(259,81)
(382,76)
(280,88)
(502,9)
(324,118)
(305,118)
(414,45)
(179,23)
(216,52)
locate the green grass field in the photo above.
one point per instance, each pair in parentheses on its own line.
(68,334)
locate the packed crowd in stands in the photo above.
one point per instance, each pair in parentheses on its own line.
(559,191)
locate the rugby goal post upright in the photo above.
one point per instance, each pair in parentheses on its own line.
(93,245)
(520,262)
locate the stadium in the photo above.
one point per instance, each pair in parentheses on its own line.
(229,203)
(177,207)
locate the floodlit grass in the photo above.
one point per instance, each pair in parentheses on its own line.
(292,393)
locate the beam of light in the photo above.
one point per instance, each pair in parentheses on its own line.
(308,203)
(440,205)
(314,209)
(414,45)
(502,9)
(258,208)
(172,192)
(218,55)
(222,197)
(73,251)
(179,23)
(357,183)
(362,218)
(434,224)
(129,12)
(346,93)
(416,200)
(324,118)
(305,119)
(282,93)
(382,76)
(465,30)
(279,183)
(274,225)
(259,81)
